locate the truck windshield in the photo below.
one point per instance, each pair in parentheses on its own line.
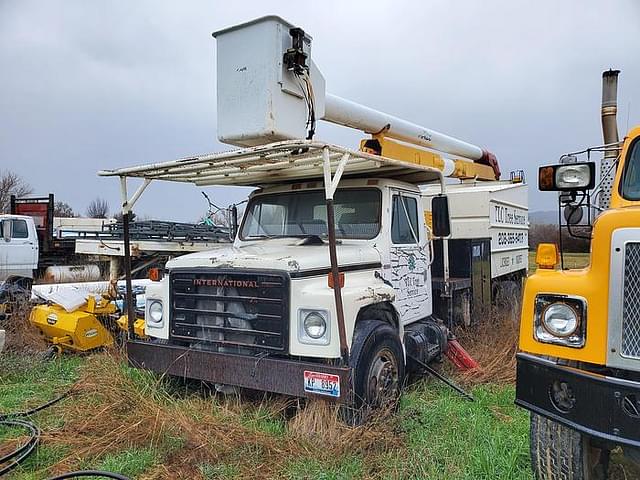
(303,213)
(630,189)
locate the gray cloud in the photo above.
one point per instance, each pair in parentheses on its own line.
(92,85)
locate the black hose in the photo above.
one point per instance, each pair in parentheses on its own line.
(23,451)
(89,473)
(28,413)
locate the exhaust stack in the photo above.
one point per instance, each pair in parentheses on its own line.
(608,113)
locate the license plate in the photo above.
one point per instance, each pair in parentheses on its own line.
(322,383)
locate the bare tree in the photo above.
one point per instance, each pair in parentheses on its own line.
(62,209)
(98,208)
(11,184)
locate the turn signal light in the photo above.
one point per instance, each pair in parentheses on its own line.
(340,279)
(547,256)
(155,274)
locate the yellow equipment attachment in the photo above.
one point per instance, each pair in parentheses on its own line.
(138,326)
(81,330)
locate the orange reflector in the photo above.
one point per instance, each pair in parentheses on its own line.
(546,178)
(155,274)
(340,278)
(547,256)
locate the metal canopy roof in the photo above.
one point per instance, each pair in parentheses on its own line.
(277,163)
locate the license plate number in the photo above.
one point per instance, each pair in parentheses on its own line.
(322,383)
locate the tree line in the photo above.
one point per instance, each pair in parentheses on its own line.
(13,184)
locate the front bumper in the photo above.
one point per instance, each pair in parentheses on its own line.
(277,375)
(604,407)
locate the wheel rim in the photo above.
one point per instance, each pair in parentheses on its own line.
(382,381)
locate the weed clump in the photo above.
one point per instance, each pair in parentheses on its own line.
(494,347)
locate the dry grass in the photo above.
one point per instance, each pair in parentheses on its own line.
(116,408)
(21,335)
(493,344)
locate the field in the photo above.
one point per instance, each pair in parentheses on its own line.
(140,425)
(146,427)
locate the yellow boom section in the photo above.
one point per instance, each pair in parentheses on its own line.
(450,167)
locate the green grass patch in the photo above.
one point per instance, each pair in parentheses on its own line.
(263,420)
(452,438)
(312,469)
(131,462)
(220,471)
(26,382)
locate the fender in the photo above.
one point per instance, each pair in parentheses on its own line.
(363,329)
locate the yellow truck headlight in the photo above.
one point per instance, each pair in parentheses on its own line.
(560,319)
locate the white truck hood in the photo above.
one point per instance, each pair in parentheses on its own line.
(279,254)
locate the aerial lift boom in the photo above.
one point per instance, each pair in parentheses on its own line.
(269,89)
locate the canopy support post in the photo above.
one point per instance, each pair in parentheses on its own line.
(330,186)
(127,205)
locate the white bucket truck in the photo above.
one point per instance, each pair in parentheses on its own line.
(328,286)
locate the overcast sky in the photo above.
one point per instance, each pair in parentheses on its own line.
(92,85)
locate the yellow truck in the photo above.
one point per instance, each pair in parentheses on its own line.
(579,365)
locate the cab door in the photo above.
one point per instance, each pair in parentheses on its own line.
(409,261)
(18,249)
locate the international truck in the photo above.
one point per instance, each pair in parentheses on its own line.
(578,372)
(330,287)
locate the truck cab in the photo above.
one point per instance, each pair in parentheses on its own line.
(269,297)
(578,371)
(18,249)
(383,247)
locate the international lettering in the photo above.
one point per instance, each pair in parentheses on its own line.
(224,282)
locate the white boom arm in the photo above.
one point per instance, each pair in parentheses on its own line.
(350,114)
(269,90)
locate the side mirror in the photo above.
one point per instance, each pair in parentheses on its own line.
(568,177)
(6,230)
(440,216)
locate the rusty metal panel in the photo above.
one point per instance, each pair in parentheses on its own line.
(275,375)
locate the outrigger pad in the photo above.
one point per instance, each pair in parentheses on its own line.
(460,357)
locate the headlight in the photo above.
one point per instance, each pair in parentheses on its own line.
(574,176)
(560,319)
(313,326)
(155,313)
(567,177)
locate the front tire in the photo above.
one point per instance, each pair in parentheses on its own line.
(561,453)
(378,365)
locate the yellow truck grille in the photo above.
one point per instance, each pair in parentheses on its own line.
(631,302)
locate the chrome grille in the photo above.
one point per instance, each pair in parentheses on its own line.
(631,302)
